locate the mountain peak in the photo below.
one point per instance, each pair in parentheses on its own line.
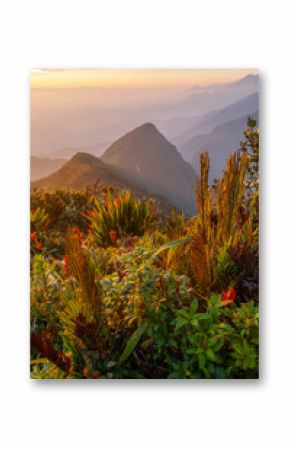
(148,126)
(149,160)
(145,129)
(248,79)
(142,159)
(141,140)
(82,157)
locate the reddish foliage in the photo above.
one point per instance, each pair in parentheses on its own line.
(113,236)
(66,264)
(79,235)
(44,345)
(228,296)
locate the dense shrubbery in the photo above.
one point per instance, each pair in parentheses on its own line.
(119,292)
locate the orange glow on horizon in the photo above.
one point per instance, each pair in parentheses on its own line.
(159,78)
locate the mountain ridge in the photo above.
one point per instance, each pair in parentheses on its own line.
(238,109)
(142,160)
(219,143)
(92,178)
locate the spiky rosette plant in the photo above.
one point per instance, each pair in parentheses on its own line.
(115,217)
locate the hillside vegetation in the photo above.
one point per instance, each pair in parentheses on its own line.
(119,290)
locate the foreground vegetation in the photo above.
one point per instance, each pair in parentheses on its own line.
(120,291)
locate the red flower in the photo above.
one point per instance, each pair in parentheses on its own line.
(66,267)
(37,244)
(78,233)
(113,236)
(228,296)
(116,203)
(33,236)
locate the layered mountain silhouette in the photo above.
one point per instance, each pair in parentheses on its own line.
(220,143)
(142,160)
(86,170)
(248,80)
(147,159)
(82,170)
(204,99)
(68,152)
(73,120)
(43,166)
(208,122)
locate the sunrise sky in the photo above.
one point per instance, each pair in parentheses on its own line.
(82,107)
(73,78)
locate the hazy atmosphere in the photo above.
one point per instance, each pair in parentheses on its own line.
(92,107)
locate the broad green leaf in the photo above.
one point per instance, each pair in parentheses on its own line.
(194,306)
(201,361)
(218,345)
(212,341)
(194,322)
(183,314)
(210,354)
(131,344)
(181,322)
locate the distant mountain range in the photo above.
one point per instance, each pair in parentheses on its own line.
(212,107)
(209,118)
(220,143)
(43,166)
(87,170)
(142,160)
(48,163)
(68,152)
(82,170)
(208,122)
(80,119)
(204,99)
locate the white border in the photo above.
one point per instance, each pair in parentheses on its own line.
(127,33)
